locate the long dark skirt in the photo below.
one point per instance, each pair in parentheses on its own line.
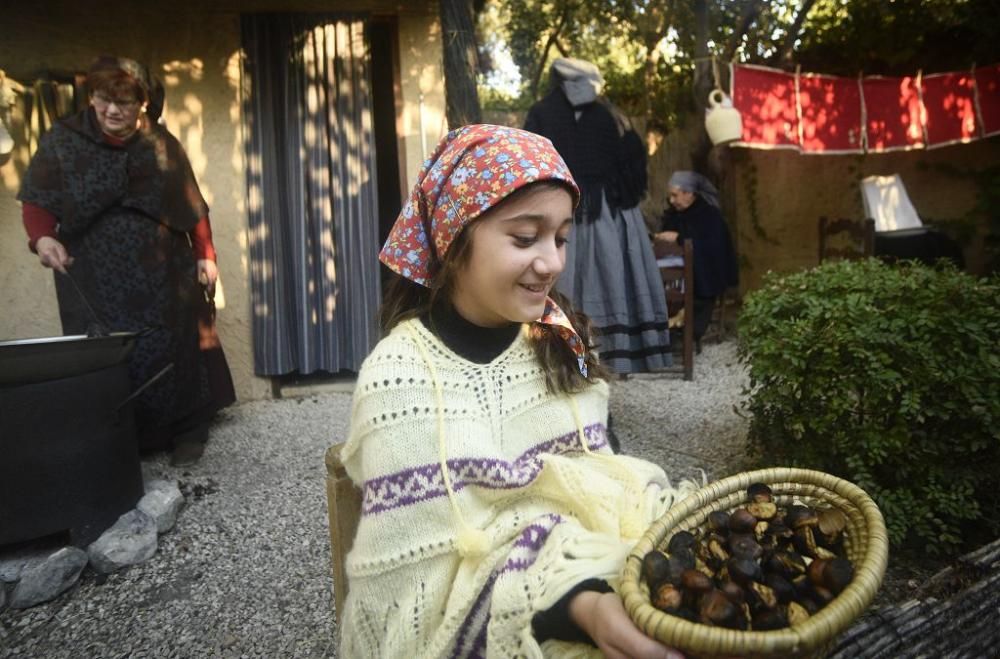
(141,276)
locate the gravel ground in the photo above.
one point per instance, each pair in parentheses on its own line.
(246,571)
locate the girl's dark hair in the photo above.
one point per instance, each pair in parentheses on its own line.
(405,299)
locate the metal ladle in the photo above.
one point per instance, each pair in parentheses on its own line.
(94,328)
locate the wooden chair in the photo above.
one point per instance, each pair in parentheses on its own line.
(859,236)
(344,510)
(678,286)
(723,314)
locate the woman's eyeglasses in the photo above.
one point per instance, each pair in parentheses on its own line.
(124,104)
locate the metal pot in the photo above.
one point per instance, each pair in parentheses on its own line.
(26,361)
(67,436)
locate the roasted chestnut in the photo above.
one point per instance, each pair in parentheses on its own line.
(804,541)
(716,609)
(786,563)
(830,523)
(798,516)
(762,510)
(667,597)
(767,619)
(760,567)
(782,587)
(735,594)
(837,574)
(718,521)
(655,568)
(763,596)
(716,550)
(744,571)
(695,581)
(816,571)
(742,521)
(758,492)
(680,540)
(685,557)
(744,546)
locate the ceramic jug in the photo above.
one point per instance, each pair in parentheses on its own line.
(722,120)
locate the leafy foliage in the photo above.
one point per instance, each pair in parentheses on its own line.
(985,211)
(888,376)
(899,37)
(646,49)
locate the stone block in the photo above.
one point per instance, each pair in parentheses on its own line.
(162,502)
(45,581)
(131,540)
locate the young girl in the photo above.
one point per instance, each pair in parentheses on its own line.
(495,519)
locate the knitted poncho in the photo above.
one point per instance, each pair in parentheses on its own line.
(554,514)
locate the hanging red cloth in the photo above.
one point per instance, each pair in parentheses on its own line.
(831,114)
(894,113)
(766,101)
(950,103)
(988,95)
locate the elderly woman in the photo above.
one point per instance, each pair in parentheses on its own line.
(110,202)
(694,215)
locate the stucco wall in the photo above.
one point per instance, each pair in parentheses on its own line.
(773,199)
(194,47)
(792,191)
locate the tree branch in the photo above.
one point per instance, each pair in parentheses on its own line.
(563,50)
(552,40)
(784,56)
(748,15)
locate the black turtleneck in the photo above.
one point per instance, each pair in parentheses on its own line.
(480,345)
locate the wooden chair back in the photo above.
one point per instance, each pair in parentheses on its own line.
(344,511)
(859,237)
(678,286)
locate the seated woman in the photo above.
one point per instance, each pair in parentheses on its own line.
(694,215)
(495,520)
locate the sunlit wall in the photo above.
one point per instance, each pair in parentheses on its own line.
(194,48)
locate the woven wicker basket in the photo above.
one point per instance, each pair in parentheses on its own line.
(865,542)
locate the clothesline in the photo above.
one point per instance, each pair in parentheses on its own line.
(821,114)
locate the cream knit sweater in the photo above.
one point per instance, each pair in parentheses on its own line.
(553,513)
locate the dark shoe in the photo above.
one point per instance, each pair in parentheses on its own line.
(186,454)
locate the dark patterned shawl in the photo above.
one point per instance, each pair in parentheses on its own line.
(76,175)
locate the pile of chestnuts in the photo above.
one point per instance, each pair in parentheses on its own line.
(761,567)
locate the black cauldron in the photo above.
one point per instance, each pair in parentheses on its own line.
(68,455)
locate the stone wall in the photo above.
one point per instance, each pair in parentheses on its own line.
(194,47)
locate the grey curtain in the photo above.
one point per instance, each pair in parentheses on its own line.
(313,220)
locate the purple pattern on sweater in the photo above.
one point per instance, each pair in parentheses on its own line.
(410,486)
(522,555)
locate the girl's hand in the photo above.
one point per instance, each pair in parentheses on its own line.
(666,236)
(53,254)
(603,617)
(208,273)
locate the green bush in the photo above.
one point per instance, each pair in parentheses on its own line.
(888,376)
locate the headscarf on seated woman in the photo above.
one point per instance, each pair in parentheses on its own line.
(715,265)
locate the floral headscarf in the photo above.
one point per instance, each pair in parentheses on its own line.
(472,170)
